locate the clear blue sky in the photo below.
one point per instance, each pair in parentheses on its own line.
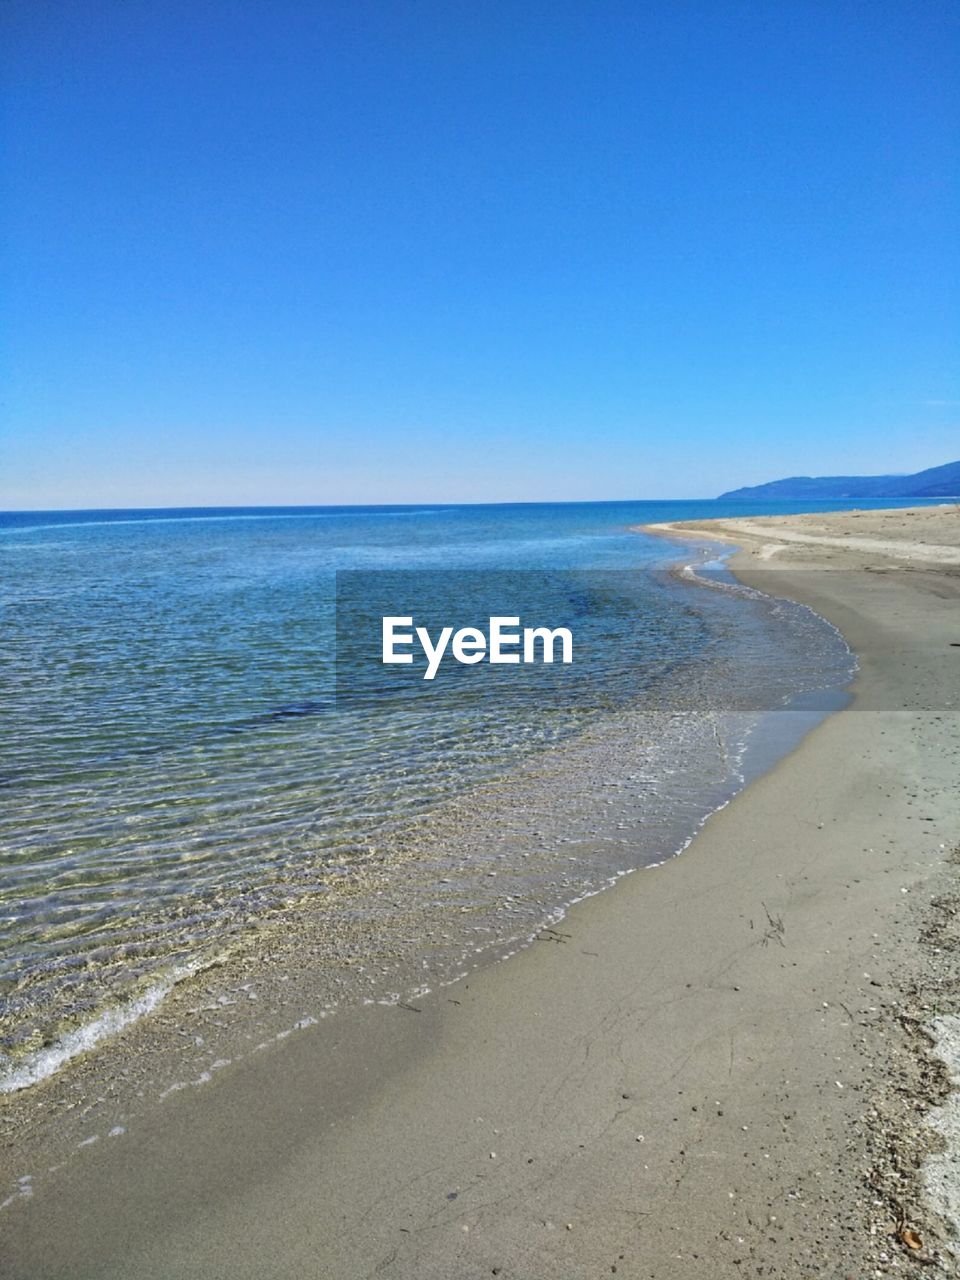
(415,250)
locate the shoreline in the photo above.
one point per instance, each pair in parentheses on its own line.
(573,828)
(658,1075)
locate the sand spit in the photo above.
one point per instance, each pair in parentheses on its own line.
(911,536)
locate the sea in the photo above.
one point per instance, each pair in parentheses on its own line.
(200,759)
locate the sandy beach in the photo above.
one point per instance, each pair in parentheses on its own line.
(720,1067)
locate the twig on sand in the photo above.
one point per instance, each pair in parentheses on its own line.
(775,929)
(551,935)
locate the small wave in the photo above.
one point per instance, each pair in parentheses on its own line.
(347,513)
(45,1062)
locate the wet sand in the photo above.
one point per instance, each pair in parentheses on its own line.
(716,1068)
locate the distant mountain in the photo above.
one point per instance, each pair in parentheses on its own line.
(936,482)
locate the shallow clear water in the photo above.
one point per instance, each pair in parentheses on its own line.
(174,764)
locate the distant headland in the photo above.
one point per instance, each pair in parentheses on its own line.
(935,482)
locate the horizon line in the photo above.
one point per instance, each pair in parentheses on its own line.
(342,506)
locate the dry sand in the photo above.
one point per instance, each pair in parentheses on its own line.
(910,535)
(718,1068)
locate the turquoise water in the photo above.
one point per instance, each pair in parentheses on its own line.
(174,763)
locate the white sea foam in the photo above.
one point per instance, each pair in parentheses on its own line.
(45,1062)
